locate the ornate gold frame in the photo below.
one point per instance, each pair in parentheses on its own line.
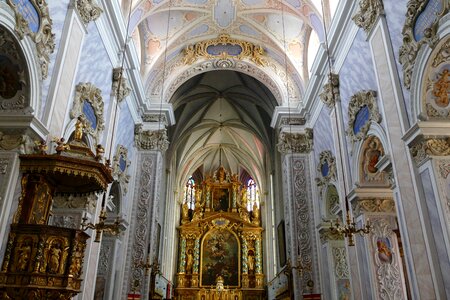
(254,53)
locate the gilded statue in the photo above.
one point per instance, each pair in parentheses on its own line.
(198,211)
(255,214)
(243,212)
(61,145)
(189,261)
(23,253)
(184,213)
(54,258)
(99,152)
(77,259)
(251,262)
(41,147)
(79,129)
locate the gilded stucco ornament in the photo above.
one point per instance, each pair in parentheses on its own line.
(254,53)
(150,139)
(369,11)
(93,95)
(120,167)
(120,84)
(410,48)
(328,161)
(89,10)
(436,83)
(330,93)
(295,142)
(358,101)
(43,37)
(429,146)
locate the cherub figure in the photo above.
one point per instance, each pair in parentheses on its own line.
(41,147)
(61,145)
(100,151)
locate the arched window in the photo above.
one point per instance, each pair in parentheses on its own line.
(252,194)
(189,193)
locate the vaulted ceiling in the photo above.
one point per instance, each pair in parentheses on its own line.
(225,114)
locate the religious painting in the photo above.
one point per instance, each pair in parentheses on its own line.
(343,289)
(221,199)
(220,256)
(384,250)
(281,243)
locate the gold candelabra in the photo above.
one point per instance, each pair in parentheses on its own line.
(100,227)
(349,229)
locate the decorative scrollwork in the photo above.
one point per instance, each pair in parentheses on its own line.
(411,46)
(330,93)
(369,11)
(43,37)
(295,142)
(93,95)
(357,102)
(240,49)
(88,10)
(150,139)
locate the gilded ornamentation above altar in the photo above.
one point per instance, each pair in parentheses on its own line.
(89,10)
(37,24)
(295,142)
(369,11)
(379,205)
(225,47)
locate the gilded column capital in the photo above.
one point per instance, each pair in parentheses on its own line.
(295,142)
(330,93)
(120,84)
(150,139)
(369,11)
(89,10)
(426,147)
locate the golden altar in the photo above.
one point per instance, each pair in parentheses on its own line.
(220,243)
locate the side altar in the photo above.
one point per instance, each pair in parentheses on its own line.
(220,243)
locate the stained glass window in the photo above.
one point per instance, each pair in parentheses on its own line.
(252,194)
(89,112)
(189,193)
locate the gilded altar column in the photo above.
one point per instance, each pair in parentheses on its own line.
(195,268)
(235,182)
(245,280)
(182,262)
(258,268)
